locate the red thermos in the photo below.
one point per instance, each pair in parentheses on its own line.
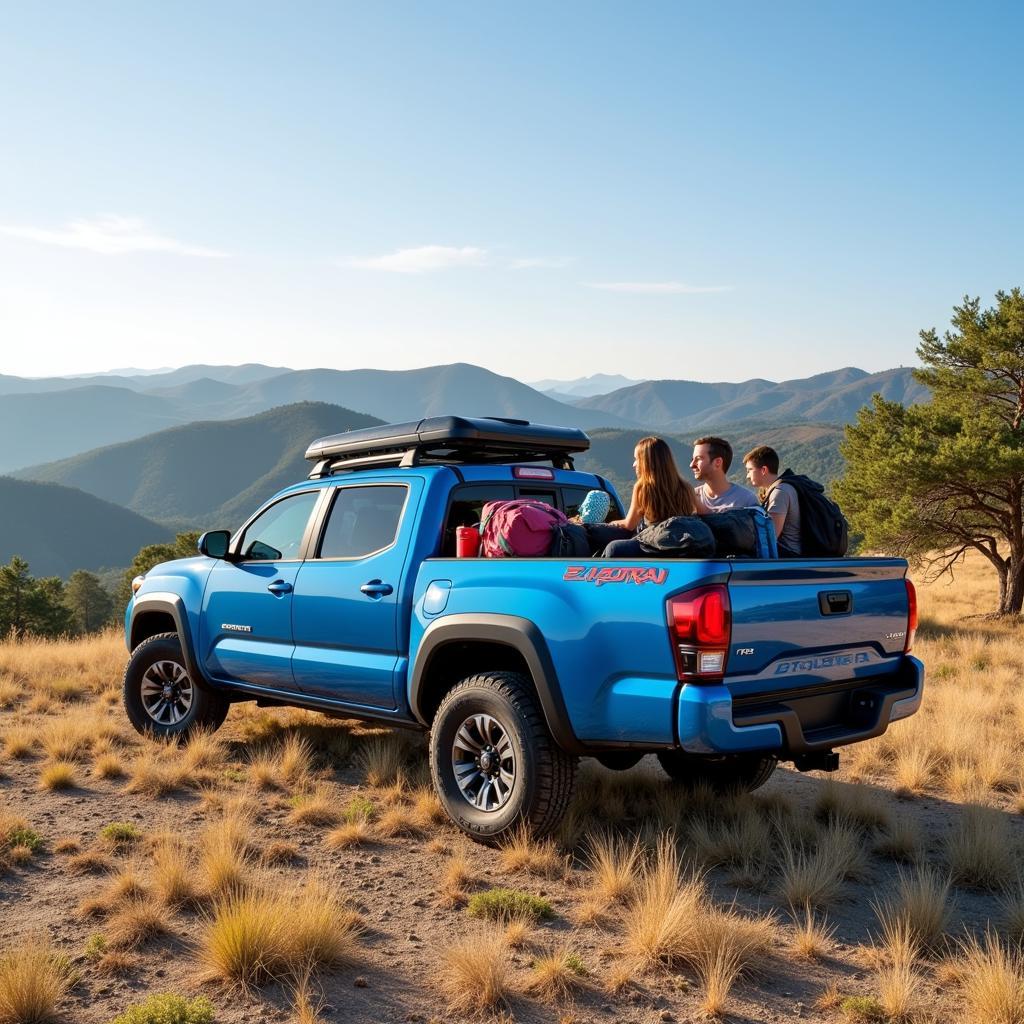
(467,541)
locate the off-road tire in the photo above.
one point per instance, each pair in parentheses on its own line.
(544,776)
(206,709)
(729,772)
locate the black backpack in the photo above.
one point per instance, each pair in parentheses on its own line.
(824,532)
(569,540)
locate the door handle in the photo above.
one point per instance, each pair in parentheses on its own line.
(279,587)
(376,589)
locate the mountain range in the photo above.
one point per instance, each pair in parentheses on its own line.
(139,455)
(53,418)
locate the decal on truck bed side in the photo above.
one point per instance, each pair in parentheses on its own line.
(615,574)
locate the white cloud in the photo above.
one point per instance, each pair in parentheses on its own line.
(424,259)
(110,235)
(539,263)
(660,287)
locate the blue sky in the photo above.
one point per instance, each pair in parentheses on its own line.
(714,191)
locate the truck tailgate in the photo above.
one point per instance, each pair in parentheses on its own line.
(798,623)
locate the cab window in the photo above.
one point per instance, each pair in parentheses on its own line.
(362,520)
(275,535)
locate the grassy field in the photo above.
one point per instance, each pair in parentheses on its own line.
(293,867)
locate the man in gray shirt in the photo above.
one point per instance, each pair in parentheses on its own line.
(780,499)
(712,457)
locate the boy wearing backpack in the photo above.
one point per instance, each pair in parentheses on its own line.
(807,522)
(779,498)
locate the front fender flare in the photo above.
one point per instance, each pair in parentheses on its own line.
(512,631)
(168,604)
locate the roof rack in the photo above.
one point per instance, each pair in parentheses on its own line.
(446,440)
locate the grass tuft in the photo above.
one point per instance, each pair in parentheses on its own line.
(166,1008)
(33,980)
(475,973)
(503,905)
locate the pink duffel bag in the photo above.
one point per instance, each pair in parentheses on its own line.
(518,529)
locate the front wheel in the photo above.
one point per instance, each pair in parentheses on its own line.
(160,696)
(745,772)
(494,763)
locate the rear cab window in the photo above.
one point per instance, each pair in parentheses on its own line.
(466,503)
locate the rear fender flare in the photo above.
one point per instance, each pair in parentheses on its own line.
(512,631)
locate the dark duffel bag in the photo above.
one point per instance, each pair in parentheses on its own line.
(569,540)
(678,537)
(600,535)
(742,533)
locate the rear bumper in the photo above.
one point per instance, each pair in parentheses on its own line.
(789,723)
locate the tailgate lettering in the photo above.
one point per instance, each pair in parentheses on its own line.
(828,661)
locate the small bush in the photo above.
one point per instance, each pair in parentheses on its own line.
(862,1008)
(505,904)
(168,1009)
(120,834)
(22,835)
(359,808)
(95,946)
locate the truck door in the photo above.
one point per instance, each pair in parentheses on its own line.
(246,629)
(348,593)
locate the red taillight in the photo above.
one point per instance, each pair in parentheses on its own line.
(700,622)
(911,616)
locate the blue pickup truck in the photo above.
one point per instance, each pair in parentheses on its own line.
(343,594)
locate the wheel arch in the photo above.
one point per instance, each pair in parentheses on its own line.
(459,645)
(164,613)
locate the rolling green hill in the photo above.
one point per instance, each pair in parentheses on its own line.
(204,475)
(60,529)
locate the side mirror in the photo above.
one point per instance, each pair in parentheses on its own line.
(214,543)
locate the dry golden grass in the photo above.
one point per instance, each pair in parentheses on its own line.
(158,770)
(992,982)
(66,739)
(280,852)
(108,766)
(351,833)
(811,938)
(57,775)
(33,982)
(427,808)
(136,921)
(475,975)
(223,854)
(270,931)
(399,821)
(10,692)
(859,806)
(1011,912)
(316,808)
(382,759)
(19,741)
(456,876)
(920,907)
(717,970)
(89,862)
(557,972)
(205,751)
(980,848)
(614,863)
(174,872)
(518,930)
(896,979)
(525,852)
(672,919)
(901,839)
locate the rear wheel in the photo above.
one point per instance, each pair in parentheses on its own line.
(160,696)
(727,772)
(494,764)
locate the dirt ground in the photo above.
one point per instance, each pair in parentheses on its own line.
(411,917)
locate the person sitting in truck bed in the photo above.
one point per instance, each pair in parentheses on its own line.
(779,499)
(712,457)
(660,493)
